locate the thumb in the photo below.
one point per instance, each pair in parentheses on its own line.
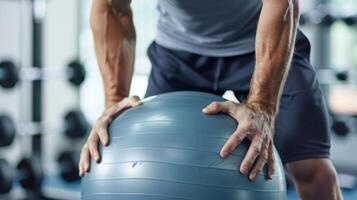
(219,107)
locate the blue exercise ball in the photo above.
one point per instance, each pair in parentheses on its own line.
(167,149)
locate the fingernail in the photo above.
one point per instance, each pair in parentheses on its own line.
(224,154)
(204,110)
(245,170)
(252,176)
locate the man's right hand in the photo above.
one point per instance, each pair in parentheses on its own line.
(99,132)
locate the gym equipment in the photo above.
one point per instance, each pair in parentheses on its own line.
(7,130)
(10,75)
(68,165)
(340,128)
(330,76)
(75,125)
(343,124)
(28,173)
(168,149)
(324,16)
(350,20)
(342,75)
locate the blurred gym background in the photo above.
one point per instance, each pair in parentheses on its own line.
(55,93)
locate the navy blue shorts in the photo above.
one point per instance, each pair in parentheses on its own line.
(302,124)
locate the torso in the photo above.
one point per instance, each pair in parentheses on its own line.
(208,27)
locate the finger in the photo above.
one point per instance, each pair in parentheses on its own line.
(271,161)
(259,164)
(103,134)
(253,152)
(132,101)
(217,107)
(234,140)
(84,161)
(135,101)
(93,147)
(102,129)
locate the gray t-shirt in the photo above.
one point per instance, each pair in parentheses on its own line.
(208,27)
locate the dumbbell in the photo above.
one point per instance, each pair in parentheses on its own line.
(329,76)
(28,173)
(350,20)
(7,130)
(322,16)
(327,18)
(10,75)
(68,165)
(340,126)
(342,75)
(74,125)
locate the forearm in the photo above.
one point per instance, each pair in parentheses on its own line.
(275,40)
(114,40)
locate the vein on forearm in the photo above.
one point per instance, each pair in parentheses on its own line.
(114,38)
(274,47)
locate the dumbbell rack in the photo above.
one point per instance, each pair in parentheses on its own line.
(73,118)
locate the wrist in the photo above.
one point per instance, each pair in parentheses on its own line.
(262,105)
(110,101)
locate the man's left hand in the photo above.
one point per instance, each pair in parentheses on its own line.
(257,125)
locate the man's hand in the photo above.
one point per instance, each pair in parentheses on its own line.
(256,125)
(100,133)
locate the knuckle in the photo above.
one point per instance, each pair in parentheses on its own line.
(98,123)
(103,134)
(84,149)
(238,136)
(250,126)
(266,147)
(92,147)
(256,149)
(100,131)
(134,98)
(90,140)
(260,141)
(215,105)
(265,157)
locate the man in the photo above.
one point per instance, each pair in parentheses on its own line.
(214,46)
